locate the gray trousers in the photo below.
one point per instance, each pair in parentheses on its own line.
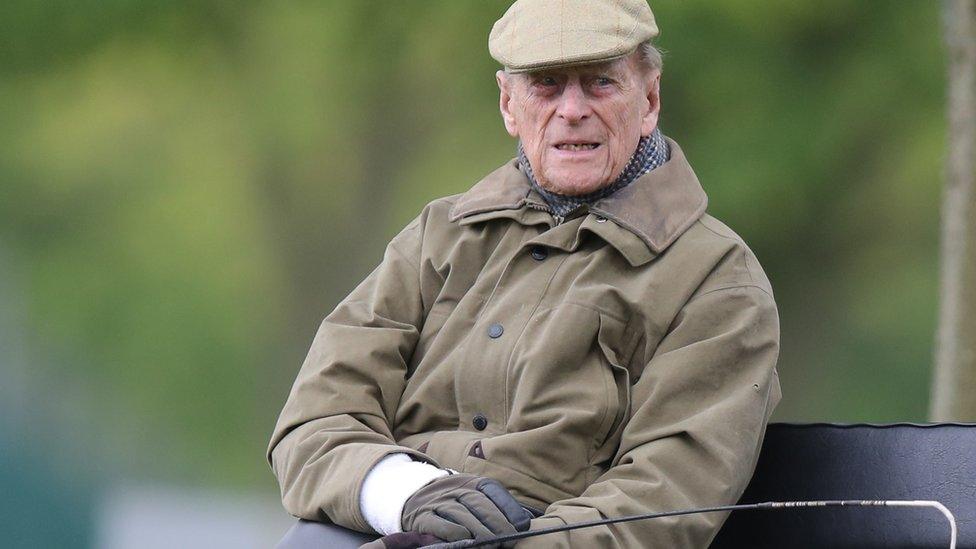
(319,535)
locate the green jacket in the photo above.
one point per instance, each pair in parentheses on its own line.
(620,362)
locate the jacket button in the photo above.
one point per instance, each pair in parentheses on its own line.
(539,253)
(601,219)
(480,422)
(495,330)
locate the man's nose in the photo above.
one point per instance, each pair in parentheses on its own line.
(573,105)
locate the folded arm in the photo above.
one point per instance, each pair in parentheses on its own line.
(336,423)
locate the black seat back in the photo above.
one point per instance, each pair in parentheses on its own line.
(863,462)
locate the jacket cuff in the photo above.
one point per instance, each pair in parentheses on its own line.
(388,486)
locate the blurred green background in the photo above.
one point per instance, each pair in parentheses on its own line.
(187,188)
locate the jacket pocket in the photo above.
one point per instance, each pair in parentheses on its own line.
(616,347)
(568,394)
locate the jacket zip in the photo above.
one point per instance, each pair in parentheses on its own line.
(558,218)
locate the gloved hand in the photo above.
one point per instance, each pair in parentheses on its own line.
(463,506)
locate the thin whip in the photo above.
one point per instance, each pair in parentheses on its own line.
(746,507)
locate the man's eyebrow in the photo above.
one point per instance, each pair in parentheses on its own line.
(612,68)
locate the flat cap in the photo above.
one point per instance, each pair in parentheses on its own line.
(538,34)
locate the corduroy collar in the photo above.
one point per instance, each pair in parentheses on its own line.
(658,207)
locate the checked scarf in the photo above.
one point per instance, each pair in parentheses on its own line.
(652,151)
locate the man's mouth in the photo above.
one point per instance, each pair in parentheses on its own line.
(578,146)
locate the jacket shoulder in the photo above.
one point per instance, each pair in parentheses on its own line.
(434,220)
(429,230)
(440,208)
(731,263)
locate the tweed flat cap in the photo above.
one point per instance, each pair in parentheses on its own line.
(538,34)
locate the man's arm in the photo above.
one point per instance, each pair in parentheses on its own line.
(336,423)
(698,414)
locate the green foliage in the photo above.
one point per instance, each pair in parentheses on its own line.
(188,187)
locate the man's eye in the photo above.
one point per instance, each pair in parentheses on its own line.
(604,81)
(547,81)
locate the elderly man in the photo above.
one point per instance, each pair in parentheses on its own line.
(572,339)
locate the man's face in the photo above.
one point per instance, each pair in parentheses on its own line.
(580,125)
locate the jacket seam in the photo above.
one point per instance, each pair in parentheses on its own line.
(718,234)
(416,268)
(608,383)
(694,297)
(731,287)
(745,267)
(635,338)
(738,240)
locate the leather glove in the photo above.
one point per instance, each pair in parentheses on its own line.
(463,506)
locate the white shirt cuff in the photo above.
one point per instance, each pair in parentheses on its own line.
(388,485)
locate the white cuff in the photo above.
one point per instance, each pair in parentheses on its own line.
(388,485)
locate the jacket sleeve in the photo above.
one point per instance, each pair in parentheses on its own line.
(697,418)
(336,422)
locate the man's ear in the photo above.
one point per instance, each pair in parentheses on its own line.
(505,101)
(652,108)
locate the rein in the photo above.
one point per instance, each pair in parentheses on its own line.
(769,505)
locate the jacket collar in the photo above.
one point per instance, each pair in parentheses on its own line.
(657,208)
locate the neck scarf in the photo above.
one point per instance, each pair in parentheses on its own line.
(652,151)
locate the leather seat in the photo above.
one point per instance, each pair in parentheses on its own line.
(864,462)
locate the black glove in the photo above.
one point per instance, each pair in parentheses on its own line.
(463,506)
